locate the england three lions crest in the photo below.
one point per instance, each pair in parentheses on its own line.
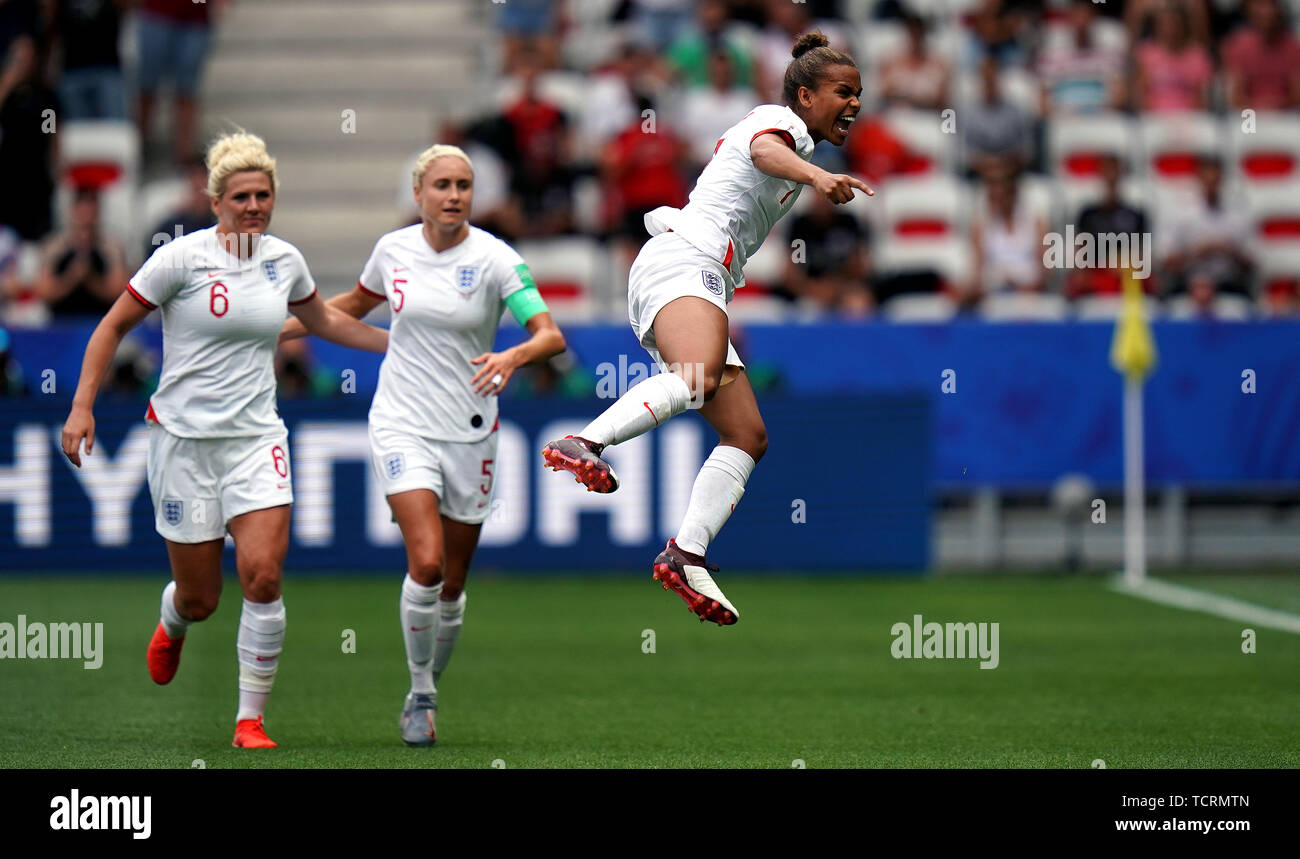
(269,269)
(466,279)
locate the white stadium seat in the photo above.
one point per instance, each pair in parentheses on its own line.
(1075,143)
(1093,308)
(572,274)
(104,154)
(1171,143)
(919,307)
(928,208)
(1268,155)
(1228,307)
(921,132)
(950,257)
(1024,307)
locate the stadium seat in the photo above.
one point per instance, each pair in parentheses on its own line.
(1275,209)
(1093,308)
(1019,87)
(949,257)
(1076,143)
(1023,307)
(1268,155)
(104,155)
(929,208)
(1279,271)
(766,268)
(920,131)
(919,307)
(158,199)
(1172,143)
(1229,307)
(572,274)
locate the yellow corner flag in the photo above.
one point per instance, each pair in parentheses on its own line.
(1132,351)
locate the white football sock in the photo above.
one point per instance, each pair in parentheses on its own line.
(645,406)
(261,637)
(419,616)
(717,490)
(451,616)
(173,624)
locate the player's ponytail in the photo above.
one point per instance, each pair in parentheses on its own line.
(235,153)
(813,55)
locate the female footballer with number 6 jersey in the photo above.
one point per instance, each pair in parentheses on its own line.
(433,422)
(218,451)
(678,290)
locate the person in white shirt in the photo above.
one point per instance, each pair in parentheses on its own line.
(218,451)
(433,421)
(678,290)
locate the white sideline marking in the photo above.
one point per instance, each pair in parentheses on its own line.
(1197,600)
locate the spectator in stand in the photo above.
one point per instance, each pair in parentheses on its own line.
(91,85)
(83,271)
(1110,215)
(542,179)
(26,141)
(11,374)
(641,171)
(632,71)
(173,38)
(1007,239)
(1138,15)
(993,128)
(1000,28)
(529,31)
(659,22)
(1081,75)
(296,374)
(1172,72)
(787,21)
(707,113)
(915,78)
(1261,60)
(193,215)
(1208,241)
(834,267)
(689,54)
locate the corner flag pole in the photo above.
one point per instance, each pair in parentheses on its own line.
(1133,354)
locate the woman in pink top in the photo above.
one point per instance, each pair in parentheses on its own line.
(1173,72)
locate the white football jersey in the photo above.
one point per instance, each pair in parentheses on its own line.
(446,308)
(221,319)
(734,204)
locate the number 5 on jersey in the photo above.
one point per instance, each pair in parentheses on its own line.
(401,296)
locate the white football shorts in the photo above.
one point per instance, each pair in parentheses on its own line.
(199,484)
(459,473)
(669,267)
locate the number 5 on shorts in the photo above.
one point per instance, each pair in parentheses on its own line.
(486,486)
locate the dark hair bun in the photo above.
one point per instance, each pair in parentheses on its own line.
(808,41)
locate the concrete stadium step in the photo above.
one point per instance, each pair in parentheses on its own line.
(287,23)
(313,127)
(345,80)
(347,173)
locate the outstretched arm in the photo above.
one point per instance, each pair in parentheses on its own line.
(356,304)
(774,157)
(332,324)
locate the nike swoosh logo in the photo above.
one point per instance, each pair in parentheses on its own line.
(400,268)
(265,658)
(281,486)
(218,274)
(419,628)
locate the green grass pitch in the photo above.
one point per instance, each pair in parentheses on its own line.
(551,672)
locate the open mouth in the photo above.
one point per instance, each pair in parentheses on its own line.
(844,123)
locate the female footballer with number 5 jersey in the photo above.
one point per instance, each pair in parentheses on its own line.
(678,290)
(433,421)
(218,451)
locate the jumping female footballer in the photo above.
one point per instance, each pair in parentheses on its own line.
(433,422)
(218,451)
(678,291)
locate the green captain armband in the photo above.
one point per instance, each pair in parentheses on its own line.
(527,302)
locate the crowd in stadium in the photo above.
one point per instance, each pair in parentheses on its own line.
(986,126)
